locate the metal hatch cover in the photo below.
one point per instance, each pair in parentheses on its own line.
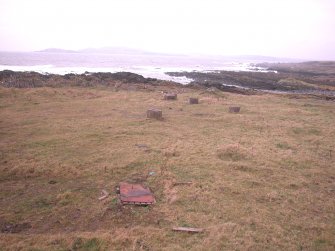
(135,194)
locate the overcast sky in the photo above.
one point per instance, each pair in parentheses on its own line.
(287,28)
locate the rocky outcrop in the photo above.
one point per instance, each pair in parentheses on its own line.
(33,79)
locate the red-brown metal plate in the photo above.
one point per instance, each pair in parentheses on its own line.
(135,194)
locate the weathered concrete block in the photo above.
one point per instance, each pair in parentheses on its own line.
(170,96)
(234,109)
(154,114)
(193,101)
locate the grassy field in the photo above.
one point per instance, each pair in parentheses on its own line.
(262,179)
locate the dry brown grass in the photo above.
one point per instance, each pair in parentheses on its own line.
(263,179)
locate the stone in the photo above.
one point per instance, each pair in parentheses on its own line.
(193,101)
(170,96)
(154,114)
(234,109)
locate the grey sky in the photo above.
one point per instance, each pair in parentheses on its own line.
(285,28)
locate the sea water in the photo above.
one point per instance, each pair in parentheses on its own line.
(146,64)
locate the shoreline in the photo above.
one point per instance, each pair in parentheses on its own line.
(147,71)
(240,82)
(293,78)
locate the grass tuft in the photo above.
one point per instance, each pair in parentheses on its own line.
(231,153)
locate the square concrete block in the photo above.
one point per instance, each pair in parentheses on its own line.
(154,114)
(170,96)
(234,109)
(193,101)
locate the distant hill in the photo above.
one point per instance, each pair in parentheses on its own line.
(110,50)
(265,58)
(103,50)
(130,51)
(56,50)
(114,50)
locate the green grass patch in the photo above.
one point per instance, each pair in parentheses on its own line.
(283,145)
(93,244)
(314,131)
(293,164)
(298,130)
(231,153)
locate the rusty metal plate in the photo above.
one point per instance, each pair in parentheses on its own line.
(135,194)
